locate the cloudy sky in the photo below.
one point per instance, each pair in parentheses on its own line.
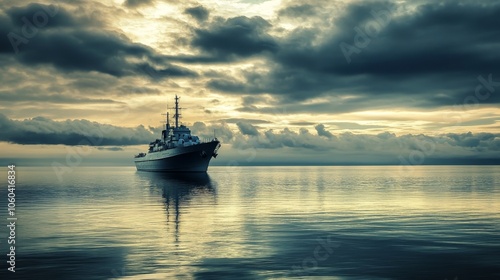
(281,82)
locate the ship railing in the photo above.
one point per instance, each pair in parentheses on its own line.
(208,140)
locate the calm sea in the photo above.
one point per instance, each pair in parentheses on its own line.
(383,222)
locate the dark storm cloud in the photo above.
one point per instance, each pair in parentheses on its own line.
(5,27)
(160,73)
(48,16)
(447,37)
(239,36)
(320,129)
(226,40)
(137,3)
(298,11)
(200,13)
(41,130)
(471,140)
(435,55)
(383,148)
(69,43)
(247,129)
(468,46)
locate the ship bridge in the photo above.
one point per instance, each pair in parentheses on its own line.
(182,136)
(181,130)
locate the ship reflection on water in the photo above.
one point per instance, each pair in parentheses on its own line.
(177,190)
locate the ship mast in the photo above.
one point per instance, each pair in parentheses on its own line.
(168,123)
(177,115)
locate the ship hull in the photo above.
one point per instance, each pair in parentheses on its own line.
(195,158)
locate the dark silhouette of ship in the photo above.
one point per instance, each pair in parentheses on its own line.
(177,150)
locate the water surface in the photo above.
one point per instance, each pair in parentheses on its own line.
(383,222)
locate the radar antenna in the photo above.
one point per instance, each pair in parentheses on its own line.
(177,114)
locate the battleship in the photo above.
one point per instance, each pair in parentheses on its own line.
(177,150)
